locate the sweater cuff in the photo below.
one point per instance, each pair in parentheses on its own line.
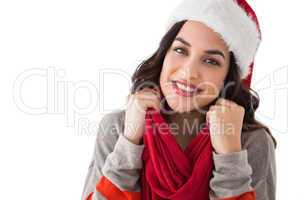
(122,166)
(239,158)
(231,176)
(128,154)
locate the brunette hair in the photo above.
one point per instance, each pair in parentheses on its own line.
(149,71)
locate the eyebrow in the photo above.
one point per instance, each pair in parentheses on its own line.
(211,51)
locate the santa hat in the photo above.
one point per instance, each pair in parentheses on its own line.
(234,20)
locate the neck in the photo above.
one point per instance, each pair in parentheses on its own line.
(188,122)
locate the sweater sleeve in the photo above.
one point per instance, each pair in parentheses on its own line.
(246,175)
(115,166)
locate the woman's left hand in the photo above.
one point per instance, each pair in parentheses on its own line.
(225,125)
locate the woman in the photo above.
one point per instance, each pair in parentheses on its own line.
(199,76)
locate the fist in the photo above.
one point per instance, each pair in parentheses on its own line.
(225,120)
(136,108)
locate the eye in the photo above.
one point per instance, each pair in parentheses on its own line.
(212,62)
(179,50)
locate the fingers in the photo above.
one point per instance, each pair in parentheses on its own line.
(225,102)
(221,108)
(148,97)
(155,105)
(148,93)
(222,105)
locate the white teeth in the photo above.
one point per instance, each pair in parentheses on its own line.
(185,88)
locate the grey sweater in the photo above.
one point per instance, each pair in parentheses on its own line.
(119,160)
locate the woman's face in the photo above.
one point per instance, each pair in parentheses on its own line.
(199,57)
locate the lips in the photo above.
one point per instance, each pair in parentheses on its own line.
(183,88)
(184,82)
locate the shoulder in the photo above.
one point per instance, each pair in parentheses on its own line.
(259,143)
(261,152)
(112,118)
(257,138)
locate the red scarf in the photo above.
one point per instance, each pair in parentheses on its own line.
(168,171)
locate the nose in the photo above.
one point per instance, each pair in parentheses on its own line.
(191,69)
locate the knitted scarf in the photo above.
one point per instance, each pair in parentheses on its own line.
(169,172)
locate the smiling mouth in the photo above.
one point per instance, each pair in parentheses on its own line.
(184,90)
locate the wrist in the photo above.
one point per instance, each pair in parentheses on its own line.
(228,150)
(134,140)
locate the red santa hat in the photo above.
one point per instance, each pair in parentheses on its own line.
(234,20)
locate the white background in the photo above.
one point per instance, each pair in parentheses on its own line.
(47,133)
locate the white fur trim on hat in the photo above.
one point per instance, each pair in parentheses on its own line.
(228,19)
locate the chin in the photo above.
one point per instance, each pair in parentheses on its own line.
(176,107)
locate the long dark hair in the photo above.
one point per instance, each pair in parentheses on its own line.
(149,71)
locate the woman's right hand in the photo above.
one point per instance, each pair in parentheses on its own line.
(137,105)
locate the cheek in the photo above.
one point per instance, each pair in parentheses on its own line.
(170,66)
(213,89)
(169,69)
(214,83)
